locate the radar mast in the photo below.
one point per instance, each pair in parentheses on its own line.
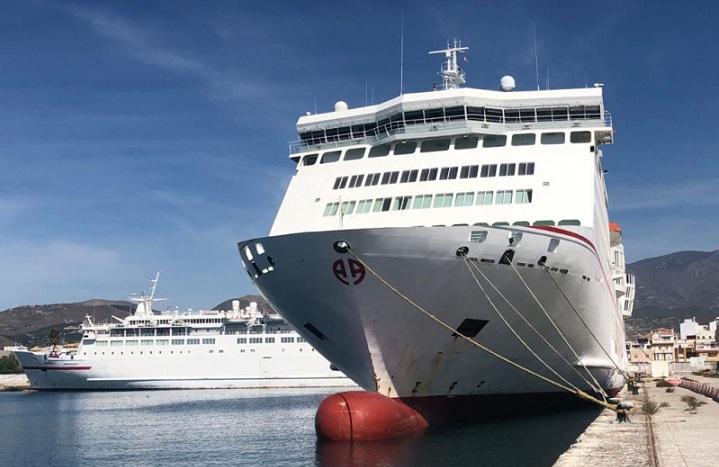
(451,73)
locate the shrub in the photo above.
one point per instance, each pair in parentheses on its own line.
(664,404)
(662,383)
(670,389)
(650,407)
(692,403)
(9,365)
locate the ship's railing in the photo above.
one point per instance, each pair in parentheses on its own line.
(410,127)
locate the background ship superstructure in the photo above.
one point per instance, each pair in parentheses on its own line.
(238,348)
(409,182)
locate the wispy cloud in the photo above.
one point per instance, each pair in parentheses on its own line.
(656,196)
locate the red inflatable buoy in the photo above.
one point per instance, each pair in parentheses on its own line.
(361,416)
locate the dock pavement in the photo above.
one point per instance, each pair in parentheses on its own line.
(16,382)
(674,436)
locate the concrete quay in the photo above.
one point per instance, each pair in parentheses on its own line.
(16,382)
(674,436)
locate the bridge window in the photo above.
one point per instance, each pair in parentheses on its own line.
(309,159)
(524,197)
(466,142)
(494,115)
(414,117)
(348,207)
(570,222)
(485,197)
(331,156)
(354,154)
(475,113)
(547,222)
(331,209)
(504,197)
(422,202)
(434,145)
(403,148)
(553,138)
(454,113)
(364,206)
(524,139)
(372,179)
(379,151)
(580,137)
(494,141)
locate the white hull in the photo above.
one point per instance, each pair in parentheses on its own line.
(225,364)
(386,345)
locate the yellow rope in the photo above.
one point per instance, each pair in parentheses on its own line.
(579,393)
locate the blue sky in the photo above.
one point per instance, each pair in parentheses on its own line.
(141,136)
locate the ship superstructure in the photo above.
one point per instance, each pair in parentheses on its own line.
(487,207)
(237,348)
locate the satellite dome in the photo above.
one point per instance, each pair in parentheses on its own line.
(507,83)
(341,106)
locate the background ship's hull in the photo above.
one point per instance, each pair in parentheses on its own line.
(261,368)
(385,345)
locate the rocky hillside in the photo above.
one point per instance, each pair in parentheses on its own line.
(673,287)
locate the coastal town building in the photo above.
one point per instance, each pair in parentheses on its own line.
(696,344)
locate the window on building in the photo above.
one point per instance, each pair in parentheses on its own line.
(524,196)
(494,141)
(178,341)
(401,203)
(494,116)
(386,204)
(348,207)
(506,170)
(466,142)
(434,145)
(524,139)
(405,147)
(413,175)
(394,176)
(444,173)
(330,156)
(553,138)
(432,175)
(580,137)
(242,340)
(364,206)
(379,151)
(453,172)
(574,222)
(504,197)
(354,154)
(255,340)
(422,202)
(331,209)
(269,340)
(287,340)
(485,197)
(543,222)
(209,341)
(378,205)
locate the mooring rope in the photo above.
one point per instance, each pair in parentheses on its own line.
(595,386)
(579,393)
(554,324)
(586,326)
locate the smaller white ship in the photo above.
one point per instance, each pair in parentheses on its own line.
(239,348)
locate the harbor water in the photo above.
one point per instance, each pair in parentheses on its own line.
(249,427)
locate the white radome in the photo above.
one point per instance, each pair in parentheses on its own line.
(507,83)
(341,106)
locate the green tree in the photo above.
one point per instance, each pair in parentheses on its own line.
(9,365)
(54,338)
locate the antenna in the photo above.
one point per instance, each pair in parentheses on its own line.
(365,93)
(401,56)
(452,75)
(547,76)
(536,58)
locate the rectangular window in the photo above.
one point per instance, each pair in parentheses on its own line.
(434,145)
(473,171)
(385,178)
(467,142)
(405,176)
(386,204)
(394,177)
(377,205)
(178,341)
(343,182)
(464,199)
(484,197)
(489,170)
(145,342)
(115,343)
(580,137)
(269,340)
(364,206)
(511,115)
(337,183)
(348,207)
(162,342)
(242,340)
(544,115)
(524,196)
(453,172)
(413,176)
(408,147)
(422,202)
(331,156)
(287,340)
(132,342)
(524,139)
(360,179)
(432,174)
(423,175)
(475,113)
(504,197)
(443,200)
(330,209)
(353,181)
(444,173)
(464,172)
(255,340)
(494,141)
(354,154)
(193,341)
(208,341)
(507,170)
(379,151)
(401,203)
(553,138)
(309,159)
(494,115)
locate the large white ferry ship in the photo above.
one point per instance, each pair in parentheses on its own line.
(239,348)
(486,209)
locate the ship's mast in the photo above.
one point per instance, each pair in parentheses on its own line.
(451,73)
(144,300)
